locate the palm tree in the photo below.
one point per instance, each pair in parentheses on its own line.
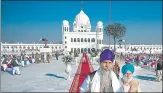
(116,30)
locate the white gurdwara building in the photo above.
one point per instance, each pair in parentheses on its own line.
(81,39)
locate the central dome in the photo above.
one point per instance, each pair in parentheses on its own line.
(82,19)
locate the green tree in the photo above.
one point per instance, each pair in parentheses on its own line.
(115,30)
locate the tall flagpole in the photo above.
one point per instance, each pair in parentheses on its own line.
(109,19)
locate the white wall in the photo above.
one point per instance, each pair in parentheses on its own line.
(80,44)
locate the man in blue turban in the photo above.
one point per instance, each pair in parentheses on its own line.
(129,84)
(103,79)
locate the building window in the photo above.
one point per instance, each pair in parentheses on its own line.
(81,30)
(85,40)
(88,50)
(59,47)
(65,42)
(55,47)
(88,39)
(74,39)
(71,49)
(71,39)
(79,50)
(65,46)
(93,40)
(81,39)
(78,39)
(67,28)
(84,30)
(65,37)
(78,30)
(100,29)
(81,26)
(97,41)
(74,49)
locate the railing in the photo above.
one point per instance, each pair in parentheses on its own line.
(76,60)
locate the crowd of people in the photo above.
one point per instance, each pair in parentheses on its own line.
(13,62)
(104,79)
(149,61)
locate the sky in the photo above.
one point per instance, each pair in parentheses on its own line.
(28,21)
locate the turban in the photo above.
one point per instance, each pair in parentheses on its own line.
(127,67)
(106,55)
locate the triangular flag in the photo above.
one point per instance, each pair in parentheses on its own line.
(83,70)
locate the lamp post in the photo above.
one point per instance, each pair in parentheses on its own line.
(122,41)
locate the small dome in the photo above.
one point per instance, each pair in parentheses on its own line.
(99,23)
(82,19)
(65,22)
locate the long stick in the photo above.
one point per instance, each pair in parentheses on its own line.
(109,20)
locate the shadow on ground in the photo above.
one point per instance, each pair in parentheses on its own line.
(145,78)
(7,71)
(54,75)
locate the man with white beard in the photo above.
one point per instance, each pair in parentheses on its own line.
(129,84)
(104,79)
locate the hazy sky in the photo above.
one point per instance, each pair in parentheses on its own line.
(28,21)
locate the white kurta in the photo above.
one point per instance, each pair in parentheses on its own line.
(95,84)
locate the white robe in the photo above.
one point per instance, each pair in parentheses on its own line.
(95,84)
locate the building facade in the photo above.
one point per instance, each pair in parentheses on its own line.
(82,38)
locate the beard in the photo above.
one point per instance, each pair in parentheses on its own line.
(127,79)
(105,81)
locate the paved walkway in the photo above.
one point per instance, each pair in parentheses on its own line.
(49,77)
